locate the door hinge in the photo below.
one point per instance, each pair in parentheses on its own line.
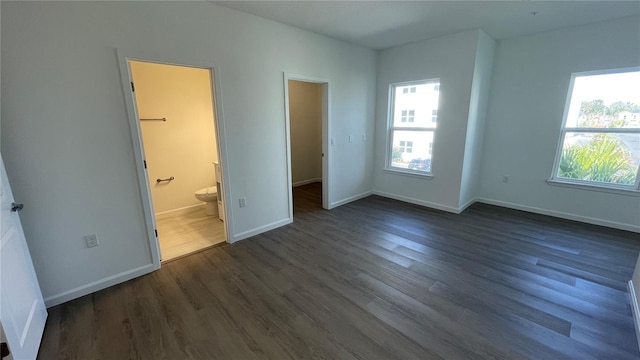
(145,163)
(156,232)
(133,88)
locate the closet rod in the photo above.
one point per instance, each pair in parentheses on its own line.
(161,119)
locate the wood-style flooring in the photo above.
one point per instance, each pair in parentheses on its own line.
(372,279)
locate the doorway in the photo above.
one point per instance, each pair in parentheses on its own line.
(307,121)
(176,119)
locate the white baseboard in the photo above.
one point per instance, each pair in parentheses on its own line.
(466,205)
(98,285)
(277,224)
(260,230)
(428,204)
(563,215)
(306,182)
(349,199)
(179,211)
(635,309)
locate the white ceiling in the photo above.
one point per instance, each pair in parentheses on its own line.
(383,24)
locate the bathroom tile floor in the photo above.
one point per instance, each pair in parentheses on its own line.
(184,234)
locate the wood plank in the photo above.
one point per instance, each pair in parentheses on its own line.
(372,279)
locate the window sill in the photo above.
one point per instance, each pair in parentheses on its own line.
(416,174)
(594,187)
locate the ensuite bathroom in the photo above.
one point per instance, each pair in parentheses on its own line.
(176,111)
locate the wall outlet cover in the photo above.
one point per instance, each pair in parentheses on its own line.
(91,240)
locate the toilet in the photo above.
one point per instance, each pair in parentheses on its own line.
(209,196)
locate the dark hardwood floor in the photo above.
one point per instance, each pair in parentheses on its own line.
(373,279)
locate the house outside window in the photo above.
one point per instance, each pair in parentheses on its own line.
(406,147)
(599,141)
(407,116)
(409,89)
(411,130)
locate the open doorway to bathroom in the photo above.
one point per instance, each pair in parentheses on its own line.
(307,114)
(177,129)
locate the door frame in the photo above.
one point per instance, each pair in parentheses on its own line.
(326,130)
(124,57)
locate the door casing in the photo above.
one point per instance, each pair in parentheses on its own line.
(136,138)
(326,123)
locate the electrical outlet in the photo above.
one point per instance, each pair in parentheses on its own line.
(364,137)
(243,201)
(91,240)
(350,138)
(505,178)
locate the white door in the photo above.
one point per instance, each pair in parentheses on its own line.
(22,310)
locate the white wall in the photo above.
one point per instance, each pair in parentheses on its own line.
(305,113)
(184,146)
(452,60)
(528,93)
(480,90)
(66,140)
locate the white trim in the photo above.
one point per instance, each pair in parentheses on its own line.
(326,130)
(464,206)
(179,211)
(407,172)
(305,182)
(98,285)
(138,153)
(564,130)
(390,128)
(563,215)
(633,130)
(635,310)
(124,57)
(531,209)
(593,186)
(287,135)
(350,199)
(607,71)
(428,204)
(261,229)
(223,151)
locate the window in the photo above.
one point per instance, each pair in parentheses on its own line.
(407,90)
(406,147)
(600,136)
(407,116)
(411,125)
(434,115)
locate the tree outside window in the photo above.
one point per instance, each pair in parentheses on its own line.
(600,137)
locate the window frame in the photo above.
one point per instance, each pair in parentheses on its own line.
(390,128)
(586,184)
